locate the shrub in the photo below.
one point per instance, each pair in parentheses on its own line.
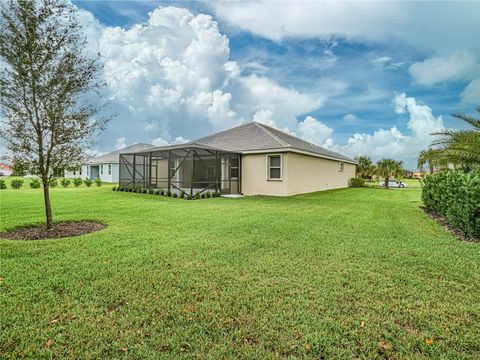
(98,181)
(169,193)
(162,192)
(151,191)
(16,183)
(455,195)
(3,184)
(209,195)
(189,197)
(216,194)
(88,182)
(53,182)
(175,195)
(114,188)
(357,182)
(35,183)
(77,182)
(65,182)
(145,191)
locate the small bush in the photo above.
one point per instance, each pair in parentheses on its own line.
(3,184)
(35,183)
(16,183)
(88,182)
(357,182)
(98,181)
(455,195)
(53,182)
(145,191)
(169,193)
(65,182)
(77,182)
(189,197)
(175,195)
(209,195)
(114,188)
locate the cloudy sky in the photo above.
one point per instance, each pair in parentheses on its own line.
(371,78)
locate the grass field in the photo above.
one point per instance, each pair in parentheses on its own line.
(338,274)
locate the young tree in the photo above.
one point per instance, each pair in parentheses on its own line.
(429,157)
(387,168)
(45,79)
(365,167)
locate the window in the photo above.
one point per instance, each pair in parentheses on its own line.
(74,172)
(234,168)
(109,169)
(87,169)
(101,169)
(80,171)
(340,167)
(274,167)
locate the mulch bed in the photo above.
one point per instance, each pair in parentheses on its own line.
(453,230)
(59,230)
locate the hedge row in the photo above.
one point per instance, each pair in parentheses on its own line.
(182,195)
(455,195)
(35,183)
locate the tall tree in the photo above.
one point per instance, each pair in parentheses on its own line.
(45,80)
(460,146)
(388,168)
(430,157)
(365,167)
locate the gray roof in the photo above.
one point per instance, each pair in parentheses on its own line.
(254,136)
(112,157)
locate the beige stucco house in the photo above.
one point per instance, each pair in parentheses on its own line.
(250,159)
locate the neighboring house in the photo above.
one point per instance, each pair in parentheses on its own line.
(104,166)
(249,159)
(408,174)
(419,174)
(5,169)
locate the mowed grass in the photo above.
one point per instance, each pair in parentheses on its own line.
(338,274)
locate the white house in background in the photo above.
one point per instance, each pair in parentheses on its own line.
(105,166)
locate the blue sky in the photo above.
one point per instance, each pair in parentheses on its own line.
(371,78)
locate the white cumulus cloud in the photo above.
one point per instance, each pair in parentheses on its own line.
(315,131)
(173,76)
(392,142)
(460,65)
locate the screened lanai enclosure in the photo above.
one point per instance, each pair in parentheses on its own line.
(188,168)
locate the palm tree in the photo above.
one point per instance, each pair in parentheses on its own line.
(365,167)
(429,157)
(460,146)
(387,168)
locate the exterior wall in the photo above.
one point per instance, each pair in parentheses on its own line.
(300,174)
(308,174)
(254,176)
(87,172)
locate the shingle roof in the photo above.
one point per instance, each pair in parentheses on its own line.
(254,136)
(112,157)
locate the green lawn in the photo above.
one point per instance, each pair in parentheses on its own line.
(338,274)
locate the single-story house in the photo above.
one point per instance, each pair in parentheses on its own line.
(5,169)
(250,159)
(104,166)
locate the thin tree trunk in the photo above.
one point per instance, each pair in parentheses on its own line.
(48,205)
(430,165)
(386,182)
